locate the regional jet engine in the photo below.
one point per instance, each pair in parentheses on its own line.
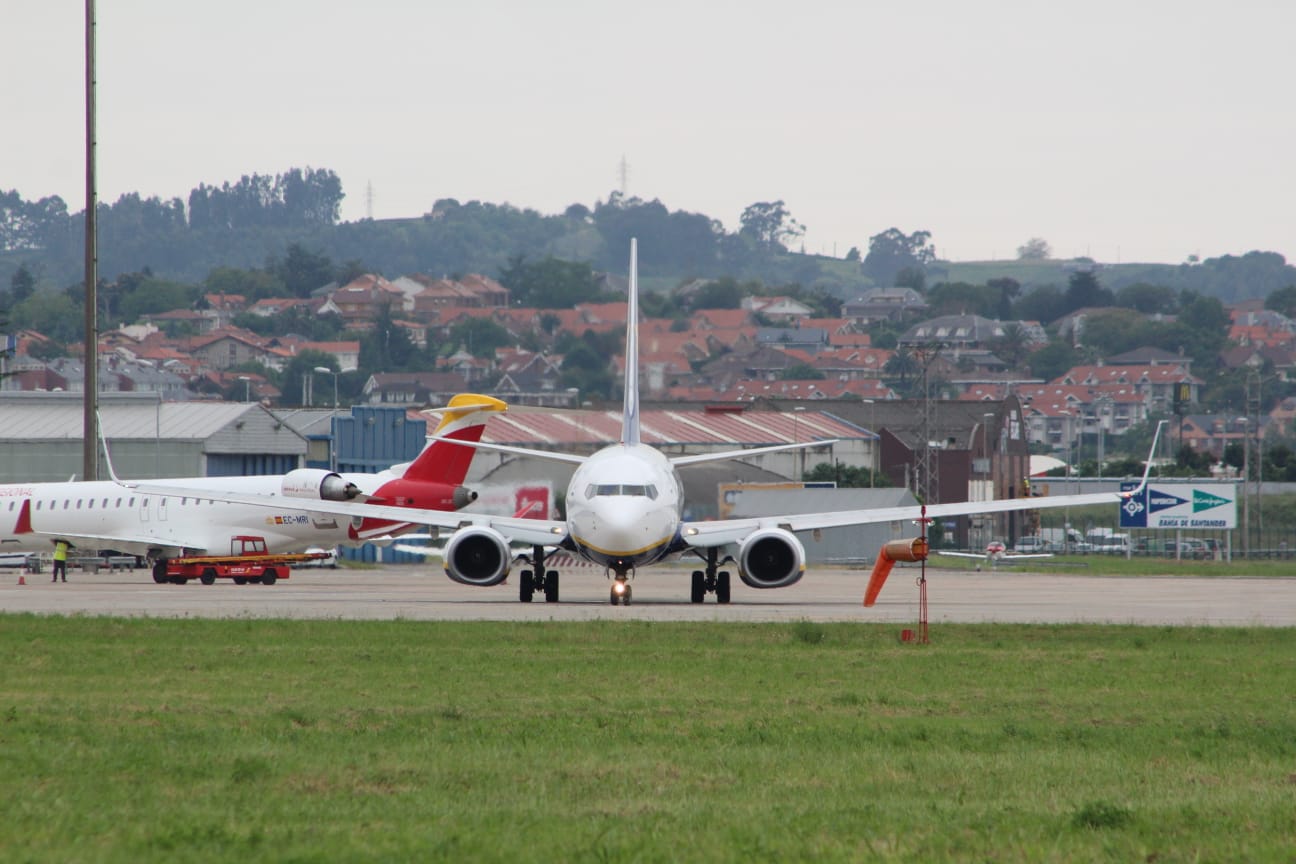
(477,556)
(317,484)
(771,558)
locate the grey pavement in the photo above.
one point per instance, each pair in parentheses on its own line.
(661,594)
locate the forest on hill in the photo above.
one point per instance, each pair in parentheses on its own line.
(254,221)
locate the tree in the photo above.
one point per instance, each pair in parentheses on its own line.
(723,293)
(1043,304)
(550,283)
(588,368)
(845,476)
(302,271)
(1283,301)
(853,254)
(292,381)
(387,347)
(1034,249)
(1148,299)
(1009,290)
(770,224)
(480,336)
(1054,359)
(892,252)
(1013,346)
(22,284)
(1084,291)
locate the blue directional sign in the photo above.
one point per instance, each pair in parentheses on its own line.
(1210,505)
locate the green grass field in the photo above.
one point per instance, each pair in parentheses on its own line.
(241,740)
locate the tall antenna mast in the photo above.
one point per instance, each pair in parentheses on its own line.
(623,175)
(369,200)
(90,398)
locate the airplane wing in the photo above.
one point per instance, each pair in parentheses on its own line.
(978,556)
(536,532)
(719,533)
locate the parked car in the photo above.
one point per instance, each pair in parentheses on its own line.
(1184,549)
(1031,545)
(328,559)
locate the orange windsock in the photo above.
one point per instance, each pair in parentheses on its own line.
(913,549)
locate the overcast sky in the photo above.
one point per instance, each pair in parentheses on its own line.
(1125,131)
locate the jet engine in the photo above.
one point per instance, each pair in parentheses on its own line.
(477,556)
(771,558)
(317,484)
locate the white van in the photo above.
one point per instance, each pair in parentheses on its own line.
(1106,542)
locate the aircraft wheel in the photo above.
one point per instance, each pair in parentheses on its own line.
(159,572)
(625,598)
(208,576)
(526,586)
(551,586)
(269,577)
(722,587)
(699,587)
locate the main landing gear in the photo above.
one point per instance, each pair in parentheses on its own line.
(710,581)
(538,579)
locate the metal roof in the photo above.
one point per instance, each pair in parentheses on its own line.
(64,419)
(748,428)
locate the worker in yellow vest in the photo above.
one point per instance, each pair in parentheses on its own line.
(60,559)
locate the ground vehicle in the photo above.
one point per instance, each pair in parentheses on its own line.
(1107,542)
(1062,540)
(249,563)
(1186,549)
(323,558)
(1031,545)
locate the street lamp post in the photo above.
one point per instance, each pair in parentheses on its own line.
(1246,486)
(876,461)
(335,383)
(247,387)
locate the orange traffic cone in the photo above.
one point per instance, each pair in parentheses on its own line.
(22,580)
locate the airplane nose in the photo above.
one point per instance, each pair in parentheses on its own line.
(627,527)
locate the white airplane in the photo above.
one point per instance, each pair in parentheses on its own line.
(174,517)
(996,552)
(625,512)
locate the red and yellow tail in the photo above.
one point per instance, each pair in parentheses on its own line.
(464,419)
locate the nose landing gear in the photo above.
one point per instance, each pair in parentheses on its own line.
(620,592)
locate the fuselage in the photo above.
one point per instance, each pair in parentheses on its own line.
(111,516)
(624,506)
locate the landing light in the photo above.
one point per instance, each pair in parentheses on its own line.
(619,588)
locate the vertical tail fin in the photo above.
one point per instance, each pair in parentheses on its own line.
(630,413)
(464,419)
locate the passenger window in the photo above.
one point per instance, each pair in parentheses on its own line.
(132,501)
(38,505)
(105,502)
(78,503)
(91,503)
(118,504)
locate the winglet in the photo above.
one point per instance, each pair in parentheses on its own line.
(103,439)
(1147,469)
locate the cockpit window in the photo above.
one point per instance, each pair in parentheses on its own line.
(648,491)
